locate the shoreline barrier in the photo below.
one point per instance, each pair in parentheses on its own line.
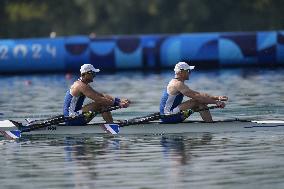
(142,52)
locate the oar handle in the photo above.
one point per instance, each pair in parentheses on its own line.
(107,109)
(60,119)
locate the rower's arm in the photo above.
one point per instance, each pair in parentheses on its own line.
(201,97)
(96,96)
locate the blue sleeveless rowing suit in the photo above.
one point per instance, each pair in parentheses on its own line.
(167,104)
(72,106)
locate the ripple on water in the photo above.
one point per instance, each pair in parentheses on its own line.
(200,160)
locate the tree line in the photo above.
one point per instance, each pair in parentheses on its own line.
(38,18)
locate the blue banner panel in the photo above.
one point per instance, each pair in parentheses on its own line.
(142,52)
(128,53)
(102,54)
(77,52)
(32,55)
(280,48)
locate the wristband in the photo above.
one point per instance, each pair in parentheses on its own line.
(116,101)
(217,101)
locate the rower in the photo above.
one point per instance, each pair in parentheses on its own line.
(171,100)
(75,96)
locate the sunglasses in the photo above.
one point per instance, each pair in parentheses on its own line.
(92,73)
(189,71)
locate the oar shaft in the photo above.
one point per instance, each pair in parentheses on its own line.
(38,124)
(156,116)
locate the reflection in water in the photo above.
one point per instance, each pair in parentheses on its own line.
(168,161)
(79,162)
(177,153)
(84,158)
(178,147)
(224,160)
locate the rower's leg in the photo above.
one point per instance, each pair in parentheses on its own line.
(189,104)
(205,115)
(107,116)
(195,105)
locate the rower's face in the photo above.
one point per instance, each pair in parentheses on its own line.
(89,76)
(186,74)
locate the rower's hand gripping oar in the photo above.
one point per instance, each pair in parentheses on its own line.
(114,128)
(13,129)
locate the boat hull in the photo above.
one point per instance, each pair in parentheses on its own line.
(158,128)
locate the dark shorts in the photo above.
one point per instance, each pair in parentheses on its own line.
(77,122)
(173,119)
(81,119)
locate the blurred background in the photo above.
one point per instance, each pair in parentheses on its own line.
(32,18)
(60,36)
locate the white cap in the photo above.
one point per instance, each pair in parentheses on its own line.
(182,66)
(88,67)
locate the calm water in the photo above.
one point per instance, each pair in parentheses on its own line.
(200,160)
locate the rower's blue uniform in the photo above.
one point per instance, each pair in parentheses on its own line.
(72,106)
(167,104)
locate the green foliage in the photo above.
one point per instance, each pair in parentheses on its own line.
(37,18)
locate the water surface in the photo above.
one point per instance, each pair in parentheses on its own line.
(200,160)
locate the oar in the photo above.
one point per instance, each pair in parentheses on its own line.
(13,129)
(114,128)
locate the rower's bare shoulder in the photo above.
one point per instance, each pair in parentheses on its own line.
(75,85)
(178,83)
(78,86)
(175,82)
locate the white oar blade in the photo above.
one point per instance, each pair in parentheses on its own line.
(7,125)
(111,128)
(10,135)
(9,130)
